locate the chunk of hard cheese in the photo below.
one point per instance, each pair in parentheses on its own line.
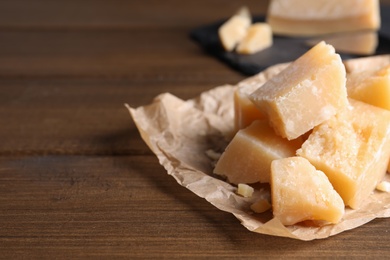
(352,149)
(257,38)
(366,63)
(234,29)
(359,43)
(300,192)
(248,156)
(305,94)
(372,87)
(245,112)
(307,18)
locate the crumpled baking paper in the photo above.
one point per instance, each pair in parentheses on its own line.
(182,134)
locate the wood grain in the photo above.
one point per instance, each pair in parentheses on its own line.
(76,179)
(127,206)
(117,14)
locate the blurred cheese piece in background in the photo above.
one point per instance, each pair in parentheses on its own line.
(257,38)
(248,157)
(358,43)
(371,86)
(352,149)
(300,192)
(235,29)
(316,17)
(305,94)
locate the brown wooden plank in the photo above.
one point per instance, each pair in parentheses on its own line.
(78,116)
(76,180)
(150,54)
(101,14)
(125,206)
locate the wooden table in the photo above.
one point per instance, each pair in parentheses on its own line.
(76,180)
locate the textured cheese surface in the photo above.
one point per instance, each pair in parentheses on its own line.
(300,192)
(257,38)
(369,63)
(305,18)
(233,31)
(372,87)
(248,157)
(352,149)
(359,43)
(245,112)
(305,94)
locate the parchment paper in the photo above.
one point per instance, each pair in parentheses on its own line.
(181,134)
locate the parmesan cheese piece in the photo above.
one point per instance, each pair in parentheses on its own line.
(300,192)
(261,206)
(372,87)
(358,43)
(308,18)
(248,156)
(257,38)
(352,149)
(245,190)
(234,29)
(245,112)
(383,186)
(305,94)
(367,63)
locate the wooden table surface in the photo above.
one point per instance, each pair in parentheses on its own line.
(76,180)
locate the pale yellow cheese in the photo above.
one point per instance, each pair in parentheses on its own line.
(257,38)
(248,156)
(244,12)
(383,186)
(300,192)
(316,17)
(366,63)
(261,206)
(359,43)
(245,112)
(234,29)
(305,94)
(245,190)
(352,149)
(372,87)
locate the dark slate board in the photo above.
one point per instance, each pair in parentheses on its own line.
(284,49)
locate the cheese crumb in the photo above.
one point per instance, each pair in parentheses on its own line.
(245,190)
(261,206)
(383,186)
(213,154)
